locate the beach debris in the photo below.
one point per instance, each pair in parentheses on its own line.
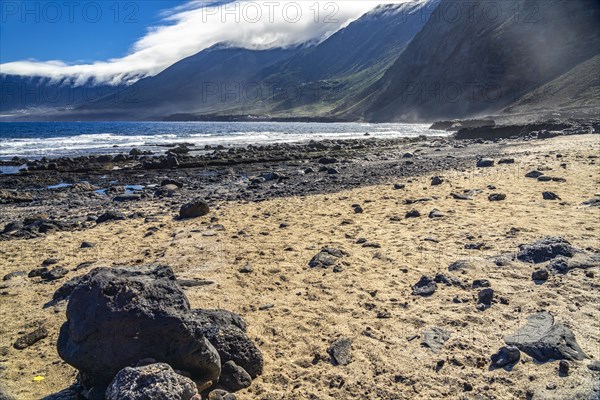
(544,339)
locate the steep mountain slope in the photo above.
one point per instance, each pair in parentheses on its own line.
(481,59)
(306,81)
(573,94)
(207,80)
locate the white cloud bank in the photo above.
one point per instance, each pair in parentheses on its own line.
(195,26)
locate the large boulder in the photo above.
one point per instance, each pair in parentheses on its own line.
(154,381)
(545,249)
(545,340)
(119,316)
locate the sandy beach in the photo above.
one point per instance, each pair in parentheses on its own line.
(254,258)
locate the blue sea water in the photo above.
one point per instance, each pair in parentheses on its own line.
(52,139)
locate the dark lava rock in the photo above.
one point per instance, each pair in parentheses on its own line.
(135,152)
(127,197)
(37,272)
(49,261)
(540,275)
(30,338)
(233,377)
(327,257)
(12,227)
(194,209)
(563,368)
(544,340)
(507,161)
(399,186)
(534,174)
(485,162)
(436,180)
(506,356)
(121,315)
(594,366)
(562,265)
(111,216)
(327,160)
(435,213)
(545,249)
(425,287)
(460,196)
(480,283)
(340,351)
(550,196)
(434,338)
(246,269)
(332,171)
(13,275)
(220,394)
(54,274)
(460,265)
(357,209)
(485,297)
(595,202)
(496,197)
(412,214)
(154,381)
(167,182)
(87,245)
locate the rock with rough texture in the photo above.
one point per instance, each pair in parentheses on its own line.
(545,249)
(233,377)
(540,275)
(497,197)
(154,381)
(485,297)
(534,174)
(219,394)
(485,162)
(506,356)
(434,338)
(544,340)
(562,265)
(121,315)
(436,180)
(194,209)
(425,287)
(412,214)
(327,257)
(550,196)
(110,216)
(31,338)
(54,274)
(340,351)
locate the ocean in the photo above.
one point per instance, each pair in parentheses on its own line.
(35,140)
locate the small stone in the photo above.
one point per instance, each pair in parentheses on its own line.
(485,297)
(399,186)
(54,274)
(563,368)
(31,338)
(13,275)
(497,197)
(434,338)
(219,394)
(340,351)
(485,163)
(551,386)
(194,209)
(436,180)
(233,377)
(87,245)
(534,174)
(480,283)
(594,366)
(412,214)
(550,196)
(246,269)
(49,261)
(507,355)
(357,209)
(37,272)
(540,275)
(425,287)
(435,213)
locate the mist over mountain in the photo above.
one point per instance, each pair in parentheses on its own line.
(416,61)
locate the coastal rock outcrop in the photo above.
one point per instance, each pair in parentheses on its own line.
(119,316)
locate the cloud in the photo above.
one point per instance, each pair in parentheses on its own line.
(197,25)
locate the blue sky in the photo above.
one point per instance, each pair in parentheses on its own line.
(122,40)
(50,30)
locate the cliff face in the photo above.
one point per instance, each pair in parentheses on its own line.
(477,60)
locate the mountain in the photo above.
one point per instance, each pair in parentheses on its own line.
(305,81)
(205,81)
(574,94)
(23,95)
(479,60)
